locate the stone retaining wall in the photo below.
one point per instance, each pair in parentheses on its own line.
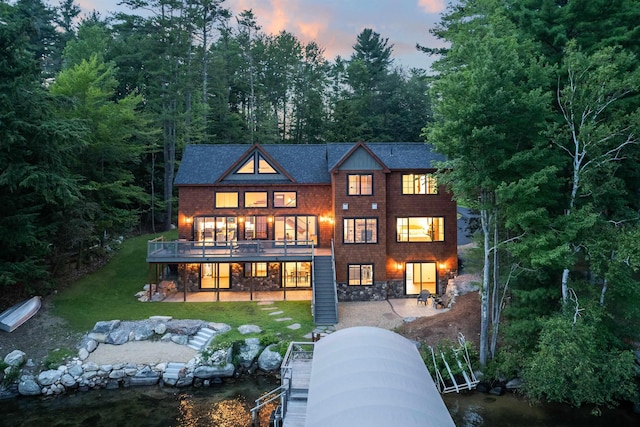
(204,369)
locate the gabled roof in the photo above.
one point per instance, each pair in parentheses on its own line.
(352,150)
(394,155)
(206,164)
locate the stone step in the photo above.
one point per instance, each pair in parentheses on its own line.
(201,339)
(172,371)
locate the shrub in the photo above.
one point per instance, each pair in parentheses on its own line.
(574,364)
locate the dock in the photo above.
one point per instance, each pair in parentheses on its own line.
(295,374)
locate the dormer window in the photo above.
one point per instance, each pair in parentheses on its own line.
(256,164)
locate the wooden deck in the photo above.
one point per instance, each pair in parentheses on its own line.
(161,251)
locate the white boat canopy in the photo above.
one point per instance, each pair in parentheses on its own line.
(366,376)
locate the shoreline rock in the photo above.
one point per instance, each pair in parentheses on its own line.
(79,375)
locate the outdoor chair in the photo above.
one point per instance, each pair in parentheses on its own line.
(423,297)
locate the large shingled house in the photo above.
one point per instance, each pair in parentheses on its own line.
(328,222)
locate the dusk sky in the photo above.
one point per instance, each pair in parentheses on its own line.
(334,24)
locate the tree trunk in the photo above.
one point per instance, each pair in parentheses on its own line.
(495,293)
(484,291)
(169,163)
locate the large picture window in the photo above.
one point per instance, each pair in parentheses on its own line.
(420,229)
(297,274)
(285,199)
(360,185)
(255,199)
(215,229)
(296,229)
(226,199)
(419,183)
(360,274)
(360,230)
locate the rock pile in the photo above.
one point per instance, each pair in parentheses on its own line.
(202,370)
(156,293)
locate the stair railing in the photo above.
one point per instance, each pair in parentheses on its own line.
(333,270)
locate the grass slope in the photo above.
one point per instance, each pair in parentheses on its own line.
(109,293)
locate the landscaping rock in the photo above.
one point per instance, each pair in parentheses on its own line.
(104,327)
(514,384)
(117,337)
(219,327)
(49,377)
(249,351)
(83,354)
(28,386)
(15,358)
(269,360)
(92,345)
(249,329)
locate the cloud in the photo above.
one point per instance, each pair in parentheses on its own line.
(432,6)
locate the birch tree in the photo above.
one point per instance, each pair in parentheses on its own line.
(488,110)
(595,136)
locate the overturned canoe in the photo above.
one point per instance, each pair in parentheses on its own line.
(15,316)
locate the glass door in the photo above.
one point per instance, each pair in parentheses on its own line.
(420,276)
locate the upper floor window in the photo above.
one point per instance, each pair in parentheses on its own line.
(360,274)
(284,199)
(420,229)
(226,199)
(360,185)
(419,183)
(255,199)
(360,230)
(256,164)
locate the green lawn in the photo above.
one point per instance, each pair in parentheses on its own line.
(108,294)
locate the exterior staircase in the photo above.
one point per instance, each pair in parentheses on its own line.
(173,373)
(201,339)
(325,310)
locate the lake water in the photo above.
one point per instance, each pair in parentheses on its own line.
(228,405)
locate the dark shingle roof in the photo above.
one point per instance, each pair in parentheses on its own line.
(307,164)
(394,155)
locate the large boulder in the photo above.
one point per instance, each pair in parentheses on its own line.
(28,386)
(220,371)
(15,358)
(185,327)
(49,377)
(117,337)
(105,326)
(269,360)
(248,352)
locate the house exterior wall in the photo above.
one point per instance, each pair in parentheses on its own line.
(314,200)
(399,205)
(360,207)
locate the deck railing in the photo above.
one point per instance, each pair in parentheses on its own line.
(164,250)
(296,351)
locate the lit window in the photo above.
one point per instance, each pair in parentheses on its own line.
(226,200)
(255,269)
(360,274)
(264,167)
(284,199)
(360,230)
(255,227)
(420,229)
(424,183)
(256,199)
(360,185)
(249,167)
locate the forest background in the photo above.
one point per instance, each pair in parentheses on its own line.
(534,103)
